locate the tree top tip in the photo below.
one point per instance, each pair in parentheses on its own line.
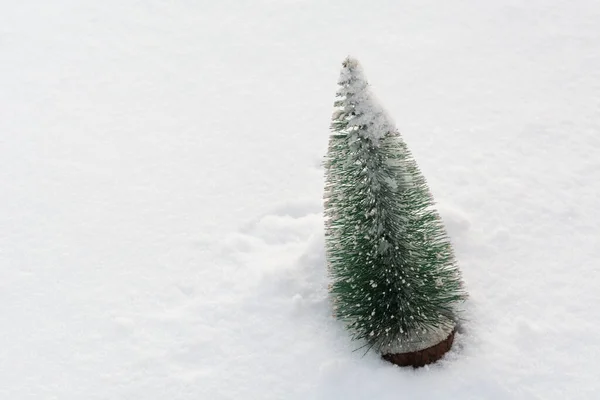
(350,62)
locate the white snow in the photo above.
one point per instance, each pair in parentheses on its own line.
(359,99)
(160,198)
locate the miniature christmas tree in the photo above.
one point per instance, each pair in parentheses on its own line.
(395,282)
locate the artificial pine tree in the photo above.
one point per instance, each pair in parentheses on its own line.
(395,282)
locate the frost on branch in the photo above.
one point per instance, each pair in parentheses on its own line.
(357,109)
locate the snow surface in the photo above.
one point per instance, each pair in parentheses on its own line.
(160,212)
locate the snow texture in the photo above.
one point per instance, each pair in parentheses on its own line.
(362,103)
(160,212)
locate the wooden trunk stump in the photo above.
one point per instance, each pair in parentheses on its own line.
(422,357)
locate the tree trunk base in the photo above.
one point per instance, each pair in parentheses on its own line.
(422,357)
